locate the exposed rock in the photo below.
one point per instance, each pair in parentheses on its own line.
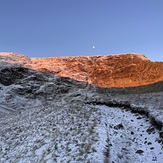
(119,126)
(150,130)
(161,136)
(106,71)
(149,143)
(21,88)
(139,151)
(8,75)
(123,70)
(132,133)
(14,58)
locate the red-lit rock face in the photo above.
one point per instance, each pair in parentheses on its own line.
(122,70)
(14,58)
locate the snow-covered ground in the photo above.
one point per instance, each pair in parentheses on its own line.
(132,137)
(53,134)
(150,103)
(78,133)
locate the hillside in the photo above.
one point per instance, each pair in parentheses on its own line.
(48,118)
(124,70)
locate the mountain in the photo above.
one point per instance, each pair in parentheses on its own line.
(14,58)
(124,70)
(54,118)
(21,87)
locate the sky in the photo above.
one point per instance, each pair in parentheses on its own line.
(52,28)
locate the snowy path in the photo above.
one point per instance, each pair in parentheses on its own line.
(132,138)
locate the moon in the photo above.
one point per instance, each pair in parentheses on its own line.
(93,46)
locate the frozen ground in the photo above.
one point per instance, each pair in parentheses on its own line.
(78,133)
(131,137)
(53,134)
(151,103)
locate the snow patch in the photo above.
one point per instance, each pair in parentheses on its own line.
(135,140)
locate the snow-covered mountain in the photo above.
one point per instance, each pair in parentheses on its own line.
(47,118)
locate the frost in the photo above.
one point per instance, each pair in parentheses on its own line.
(57,133)
(125,143)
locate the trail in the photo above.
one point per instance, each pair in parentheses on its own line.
(132,137)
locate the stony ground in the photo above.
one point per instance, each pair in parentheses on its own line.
(53,134)
(132,138)
(78,132)
(151,103)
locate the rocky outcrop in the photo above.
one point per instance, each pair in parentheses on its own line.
(124,70)
(22,88)
(14,58)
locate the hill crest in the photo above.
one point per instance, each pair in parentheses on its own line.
(121,70)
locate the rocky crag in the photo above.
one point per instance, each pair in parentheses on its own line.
(124,70)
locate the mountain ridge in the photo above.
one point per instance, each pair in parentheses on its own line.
(44,117)
(122,70)
(118,70)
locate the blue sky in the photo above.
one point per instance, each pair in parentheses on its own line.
(47,28)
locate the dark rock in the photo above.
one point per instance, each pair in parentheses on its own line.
(139,151)
(154,158)
(161,134)
(119,126)
(149,143)
(10,75)
(150,130)
(124,149)
(160,141)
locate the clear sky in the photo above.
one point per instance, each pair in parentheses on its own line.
(47,28)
